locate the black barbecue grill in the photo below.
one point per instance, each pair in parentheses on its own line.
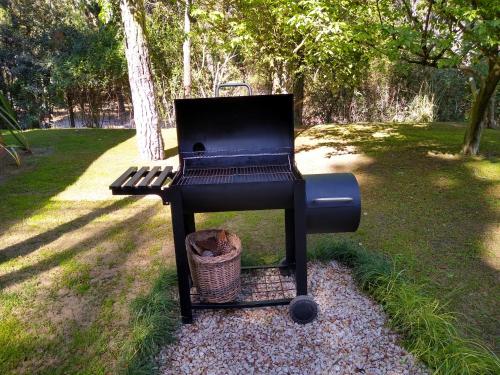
(237,153)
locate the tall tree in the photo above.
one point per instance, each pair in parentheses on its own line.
(141,81)
(273,42)
(293,40)
(186,50)
(462,34)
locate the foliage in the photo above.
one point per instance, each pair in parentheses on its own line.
(48,52)
(89,67)
(165,38)
(336,51)
(389,92)
(422,107)
(452,33)
(10,150)
(457,33)
(286,38)
(269,43)
(428,330)
(27,36)
(9,121)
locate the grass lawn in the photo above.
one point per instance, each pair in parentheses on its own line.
(73,258)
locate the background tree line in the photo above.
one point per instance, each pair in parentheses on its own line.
(345,61)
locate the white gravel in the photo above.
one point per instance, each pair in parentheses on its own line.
(348,337)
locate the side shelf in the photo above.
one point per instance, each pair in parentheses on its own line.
(143,181)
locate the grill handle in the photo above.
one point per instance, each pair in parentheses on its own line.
(233,84)
(333,200)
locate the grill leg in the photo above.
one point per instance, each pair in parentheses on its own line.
(299,197)
(180,224)
(189,225)
(289,260)
(289,236)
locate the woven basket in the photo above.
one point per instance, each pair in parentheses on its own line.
(217,279)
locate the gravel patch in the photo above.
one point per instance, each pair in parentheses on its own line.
(348,337)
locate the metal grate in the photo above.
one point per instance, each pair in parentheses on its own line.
(261,284)
(231,175)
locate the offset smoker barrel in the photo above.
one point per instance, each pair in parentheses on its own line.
(333,203)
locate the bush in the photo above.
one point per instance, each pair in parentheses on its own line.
(421,108)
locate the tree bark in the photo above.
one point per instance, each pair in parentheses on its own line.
(491,119)
(95,104)
(71,112)
(269,82)
(298,94)
(121,101)
(141,81)
(479,107)
(186,51)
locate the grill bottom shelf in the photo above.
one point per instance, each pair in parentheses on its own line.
(260,286)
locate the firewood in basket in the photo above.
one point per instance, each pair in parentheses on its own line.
(218,245)
(223,244)
(209,244)
(197,249)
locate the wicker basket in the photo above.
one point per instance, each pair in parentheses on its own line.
(217,279)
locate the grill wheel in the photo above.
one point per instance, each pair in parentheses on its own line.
(303,309)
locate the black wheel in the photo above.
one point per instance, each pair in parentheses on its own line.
(303,309)
(285,271)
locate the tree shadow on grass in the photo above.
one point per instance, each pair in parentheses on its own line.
(59,257)
(379,137)
(36,242)
(23,194)
(171,152)
(81,341)
(72,153)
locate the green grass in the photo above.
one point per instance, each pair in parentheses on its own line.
(15,342)
(428,330)
(75,275)
(435,212)
(154,320)
(73,258)
(70,253)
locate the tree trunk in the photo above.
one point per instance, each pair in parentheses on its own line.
(186,51)
(121,101)
(491,119)
(83,113)
(141,81)
(298,94)
(474,129)
(95,104)
(71,112)
(269,82)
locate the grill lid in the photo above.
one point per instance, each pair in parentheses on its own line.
(249,125)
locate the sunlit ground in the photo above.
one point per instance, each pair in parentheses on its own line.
(72,257)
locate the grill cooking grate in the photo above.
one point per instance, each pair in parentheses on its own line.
(230,175)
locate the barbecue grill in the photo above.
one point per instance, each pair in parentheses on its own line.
(237,153)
